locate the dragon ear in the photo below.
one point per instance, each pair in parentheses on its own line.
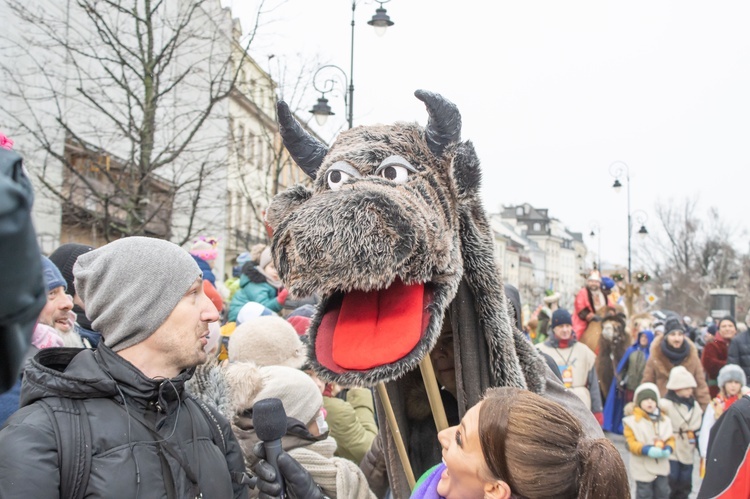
(466,169)
(306,151)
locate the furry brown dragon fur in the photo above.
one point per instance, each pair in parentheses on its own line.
(392,226)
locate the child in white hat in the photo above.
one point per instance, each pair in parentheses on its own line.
(683,410)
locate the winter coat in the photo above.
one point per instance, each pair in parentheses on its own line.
(208,274)
(578,358)
(628,376)
(728,460)
(686,421)
(640,431)
(115,395)
(253,287)
(351,423)
(631,366)
(739,353)
(658,367)
(714,357)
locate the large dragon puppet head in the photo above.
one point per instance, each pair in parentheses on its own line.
(391,230)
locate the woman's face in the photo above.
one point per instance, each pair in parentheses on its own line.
(463,458)
(675,338)
(732,388)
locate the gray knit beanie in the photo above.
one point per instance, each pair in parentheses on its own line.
(130,286)
(297,391)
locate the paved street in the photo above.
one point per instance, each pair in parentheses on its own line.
(619,442)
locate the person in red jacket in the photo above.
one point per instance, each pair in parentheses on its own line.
(715,353)
(588,300)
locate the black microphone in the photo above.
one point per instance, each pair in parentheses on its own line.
(269,420)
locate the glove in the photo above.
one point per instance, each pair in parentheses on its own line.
(281,296)
(667,451)
(596,318)
(299,483)
(655,452)
(599,418)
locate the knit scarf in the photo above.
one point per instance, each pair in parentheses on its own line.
(675,355)
(427,489)
(686,401)
(338,477)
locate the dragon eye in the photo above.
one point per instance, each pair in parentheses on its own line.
(396,173)
(336,179)
(396,169)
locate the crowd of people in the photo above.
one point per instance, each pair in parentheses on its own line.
(670,386)
(187,346)
(147,373)
(142,376)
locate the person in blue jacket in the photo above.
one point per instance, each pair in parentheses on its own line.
(627,378)
(260,284)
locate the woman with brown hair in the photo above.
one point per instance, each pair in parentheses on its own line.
(515,443)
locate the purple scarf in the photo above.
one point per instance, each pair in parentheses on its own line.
(428,488)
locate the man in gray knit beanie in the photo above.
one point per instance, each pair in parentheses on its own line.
(130,287)
(146,298)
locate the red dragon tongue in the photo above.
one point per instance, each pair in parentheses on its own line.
(378,327)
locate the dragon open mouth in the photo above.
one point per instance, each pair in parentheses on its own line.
(362,330)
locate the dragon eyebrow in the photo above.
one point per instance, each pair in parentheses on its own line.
(396,160)
(345,167)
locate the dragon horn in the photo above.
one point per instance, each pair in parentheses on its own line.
(305,150)
(444,126)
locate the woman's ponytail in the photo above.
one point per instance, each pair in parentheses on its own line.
(601,470)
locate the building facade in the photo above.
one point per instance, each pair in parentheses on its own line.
(536,253)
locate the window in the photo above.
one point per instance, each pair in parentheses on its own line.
(241,143)
(536,227)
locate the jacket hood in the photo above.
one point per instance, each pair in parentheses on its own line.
(250,273)
(648,334)
(83,374)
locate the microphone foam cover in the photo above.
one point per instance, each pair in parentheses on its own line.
(269,419)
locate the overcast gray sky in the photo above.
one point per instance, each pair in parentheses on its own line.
(552,93)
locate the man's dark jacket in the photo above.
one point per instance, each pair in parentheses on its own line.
(123,448)
(728,459)
(739,352)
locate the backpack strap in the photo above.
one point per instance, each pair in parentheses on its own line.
(70,422)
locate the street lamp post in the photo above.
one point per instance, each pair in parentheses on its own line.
(617,169)
(380,21)
(596,231)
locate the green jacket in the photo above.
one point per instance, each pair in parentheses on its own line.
(351,423)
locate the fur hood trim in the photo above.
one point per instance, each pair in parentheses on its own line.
(252,274)
(245,382)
